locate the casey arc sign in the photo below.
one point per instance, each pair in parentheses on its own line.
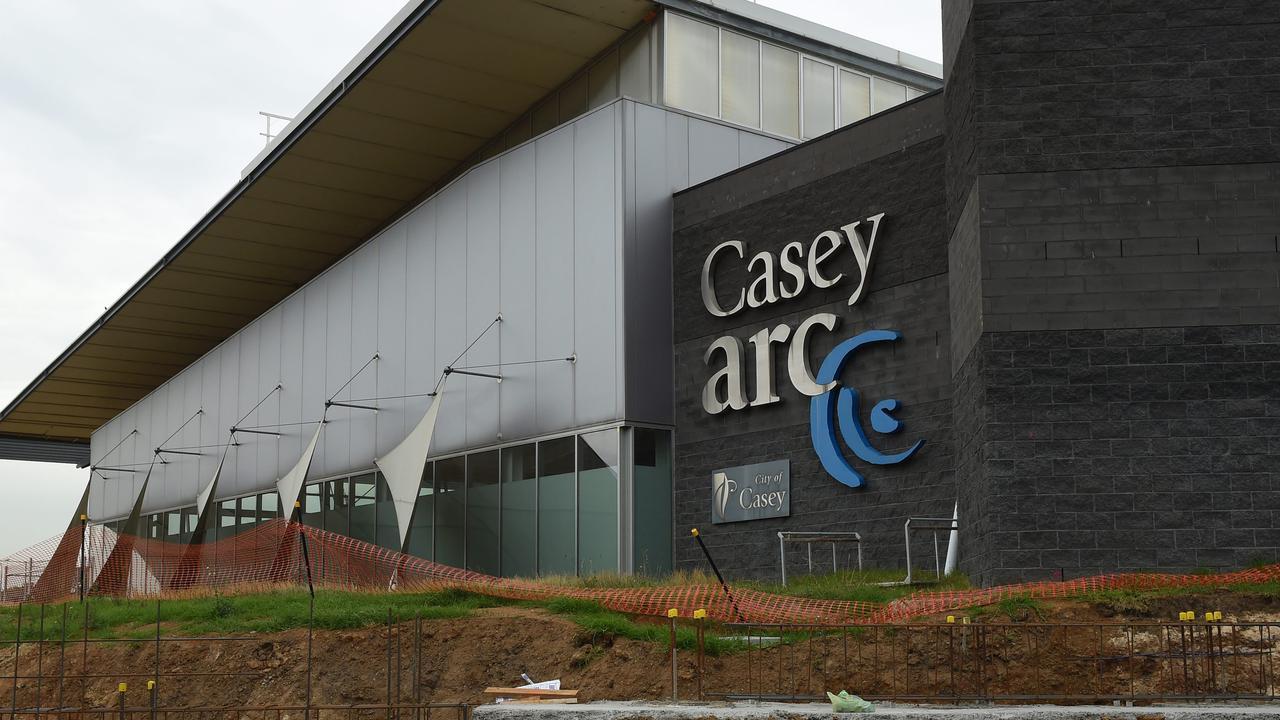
(834,410)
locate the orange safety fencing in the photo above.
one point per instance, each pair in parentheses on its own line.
(273,553)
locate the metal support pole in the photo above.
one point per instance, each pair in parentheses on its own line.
(311,623)
(716,570)
(782,558)
(40,661)
(84,525)
(17,646)
(671,620)
(151,686)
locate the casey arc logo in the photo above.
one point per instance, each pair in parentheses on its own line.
(839,407)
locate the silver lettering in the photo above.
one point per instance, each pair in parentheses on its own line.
(798,355)
(709,299)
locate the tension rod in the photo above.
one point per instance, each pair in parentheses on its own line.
(235,430)
(450,371)
(177,452)
(335,403)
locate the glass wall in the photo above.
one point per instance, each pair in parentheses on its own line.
(422,526)
(598,502)
(724,74)
(542,508)
(651,500)
(451,476)
(483,514)
(520,511)
(557,506)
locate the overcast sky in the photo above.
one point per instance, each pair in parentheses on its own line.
(122,122)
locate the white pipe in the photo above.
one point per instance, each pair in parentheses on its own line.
(953,542)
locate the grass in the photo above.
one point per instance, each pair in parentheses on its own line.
(846,585)
(257,612)
(600,627)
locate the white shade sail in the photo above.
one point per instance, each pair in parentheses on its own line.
(403,465)
(290,486)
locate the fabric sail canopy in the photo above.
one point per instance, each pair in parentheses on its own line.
(403,465)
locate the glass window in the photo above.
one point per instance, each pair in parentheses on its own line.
(483,516)
(520,511)
(691,77)
(155,526)
(421,526)
(914,93)
(451,506)
(780,77)
(269,506)
(598,502)
(819,98)
(189,519)
(602,80)
(363,508)
(557,523)
(337,501)
(652,501)
(740,78)
(173,524)
(855,97)
(226,518)
(311,506)
(388,532)
(248,511)
(885,94)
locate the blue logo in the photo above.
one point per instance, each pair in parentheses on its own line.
(823,417)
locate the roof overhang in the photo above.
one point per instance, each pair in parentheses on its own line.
(432,88)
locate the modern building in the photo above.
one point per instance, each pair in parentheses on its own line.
(535,287)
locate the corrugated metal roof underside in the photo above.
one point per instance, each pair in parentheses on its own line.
(438,91)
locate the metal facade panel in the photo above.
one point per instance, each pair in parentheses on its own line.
(421,368)
(268,447)
(392,249)
(334,453)
(292,344)
(451,321)
(247,394)
(595,282)
(517,262)
(483,282)
(195,431)
(542,233)
(752,147)
(364,345)
(713,150)
(314,360)
(553,272)
(227,413)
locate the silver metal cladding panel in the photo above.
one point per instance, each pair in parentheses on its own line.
(291,441)
(559,235)
(517,261)
(335,446)
(391,290)
(420,315)
(364,345)
(595,278)
(483,301)
(451,312)
(553,273)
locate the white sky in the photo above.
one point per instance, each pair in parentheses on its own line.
(122,122)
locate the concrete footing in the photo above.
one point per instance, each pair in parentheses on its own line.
(793,711)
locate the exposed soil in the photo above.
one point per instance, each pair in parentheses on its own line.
(999,654)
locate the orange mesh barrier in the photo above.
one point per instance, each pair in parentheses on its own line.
(271,553)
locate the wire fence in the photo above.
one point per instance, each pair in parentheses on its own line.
(96,561)
(988,662)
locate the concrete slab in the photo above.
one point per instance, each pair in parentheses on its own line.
(796,711)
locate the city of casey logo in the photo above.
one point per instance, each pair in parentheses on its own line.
(833,410)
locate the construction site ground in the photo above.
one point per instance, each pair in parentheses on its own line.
(467,648)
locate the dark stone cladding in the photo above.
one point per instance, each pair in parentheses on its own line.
(892,164)
(1112,193)
(1123,449)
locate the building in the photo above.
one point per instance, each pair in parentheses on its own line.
(653,265)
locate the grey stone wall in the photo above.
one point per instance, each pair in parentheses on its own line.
(1111,180)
